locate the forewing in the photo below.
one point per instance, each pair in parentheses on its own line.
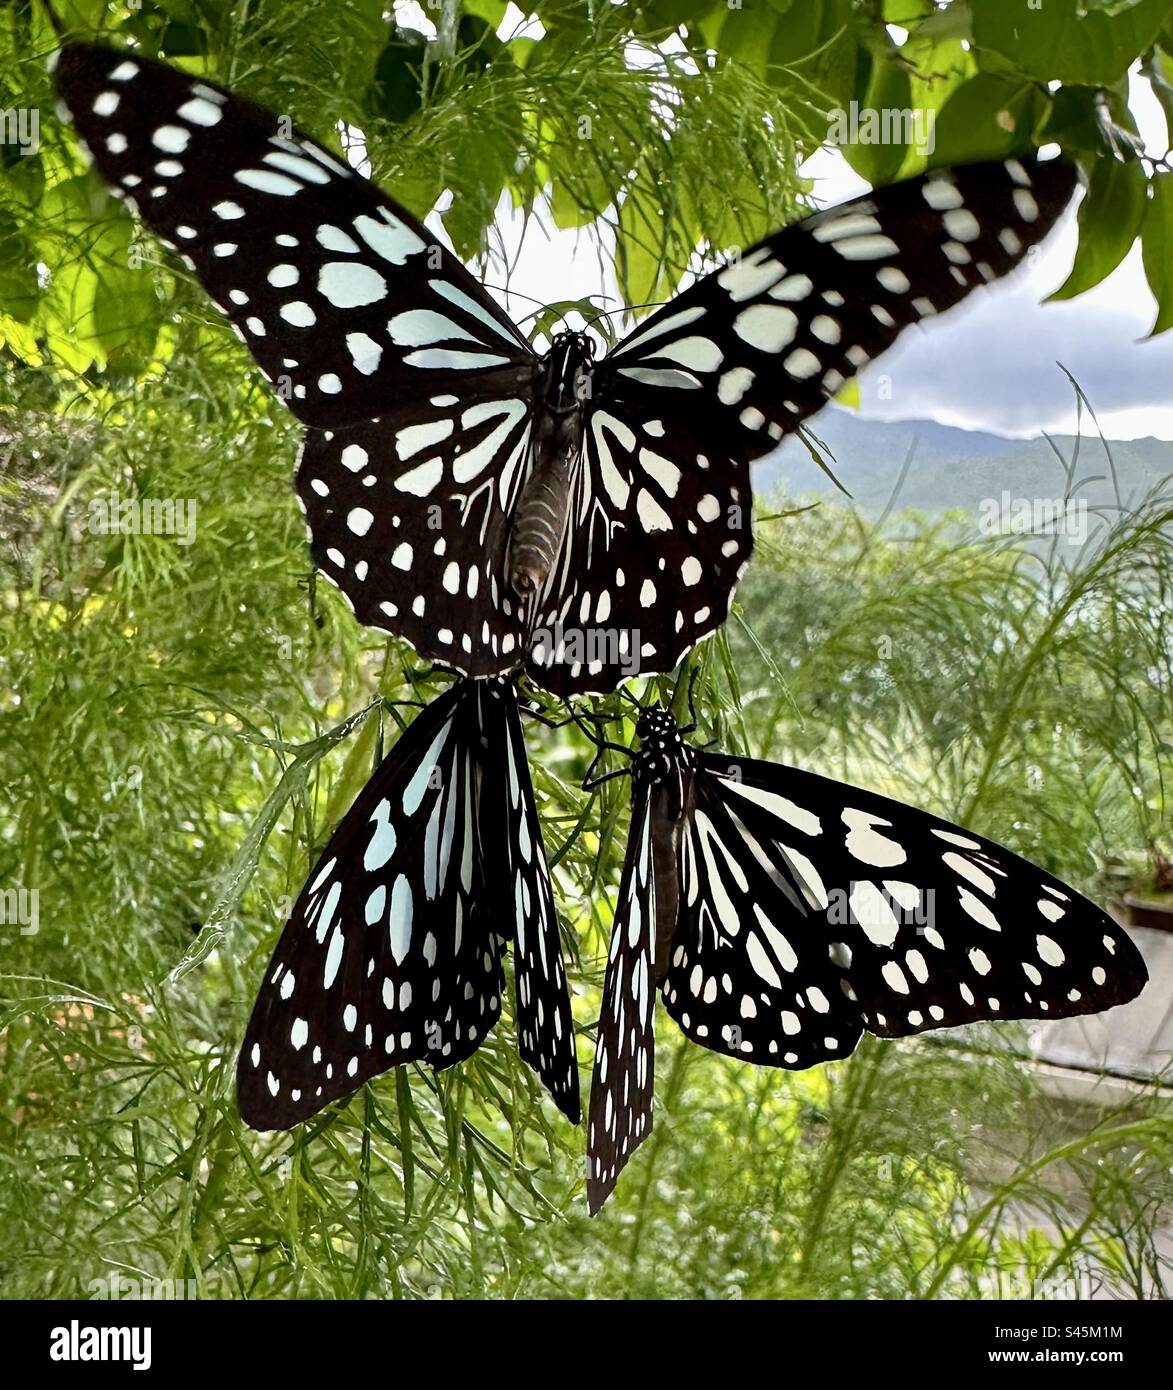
(545,1025)
(658,536)
(659,530)
(750,972)
(346,301)
(387,956)
(411,517)
(925,925)
(620,1112)
(747,353)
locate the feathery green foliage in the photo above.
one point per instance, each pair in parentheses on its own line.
(184,724)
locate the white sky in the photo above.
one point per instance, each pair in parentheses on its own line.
(991,364)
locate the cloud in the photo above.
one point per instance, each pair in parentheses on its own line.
(991,363)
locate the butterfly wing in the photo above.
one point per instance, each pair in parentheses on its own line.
(658,537)
(363,974)
(661,509)
(865,913)
(394,950)
(736,981)
(620,1114)
(416,387)
(345,300)
(412,523)
(545,1025)
(747,353)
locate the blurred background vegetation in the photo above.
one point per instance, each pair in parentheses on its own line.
(182,725)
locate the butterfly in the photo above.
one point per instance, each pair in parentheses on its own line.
(495,508)
(781,914)
(394,951)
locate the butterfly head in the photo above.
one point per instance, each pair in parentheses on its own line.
(568,367)
(654,723)
(661,747)
(575,344)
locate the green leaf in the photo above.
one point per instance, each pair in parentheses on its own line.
(478,45)
(19,290)
(480,169)
(23,175)
(1157,248)
(939,66)
(554,313)
(1075,120)
(888,91)
(1056,42)
(573,206)
(396,92)
(906,12)
(491,11)
(1159,70)
(126,311)
(986,118)
(657,19)
(818,40)
(1109,220)
(640,245)
(746,35)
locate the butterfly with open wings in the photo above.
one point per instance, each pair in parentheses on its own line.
(781,914)
(588,519)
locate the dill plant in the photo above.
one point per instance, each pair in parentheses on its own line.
(183,726)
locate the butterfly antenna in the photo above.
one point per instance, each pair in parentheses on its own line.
(626,694)
(625,309)
(434,670)
(533,708)
(591,784)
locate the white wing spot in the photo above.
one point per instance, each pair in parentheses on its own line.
(299,314)
(1025,204)
(767,327)
(350,284)
(733,385)
(962,225)
(893,279)
(978,910)
(365,353)
(802,363)
(171,139)
(866,843)
(266,181)
(894,977)
(200,111)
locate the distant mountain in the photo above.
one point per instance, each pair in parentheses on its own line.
(955,469)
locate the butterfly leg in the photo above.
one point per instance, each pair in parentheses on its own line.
(591,783)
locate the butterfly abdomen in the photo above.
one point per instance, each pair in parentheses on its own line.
(665,859)
(540,519)
(541,516)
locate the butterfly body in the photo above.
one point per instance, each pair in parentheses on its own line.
(540,520)
(662,772)
(492,507)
